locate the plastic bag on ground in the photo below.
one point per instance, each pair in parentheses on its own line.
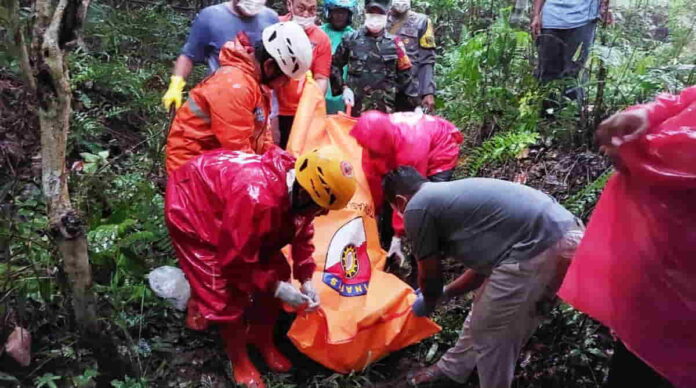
(170,283)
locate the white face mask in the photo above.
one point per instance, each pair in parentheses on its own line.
(375,22)
(250,7)
(303,21)
(401,6)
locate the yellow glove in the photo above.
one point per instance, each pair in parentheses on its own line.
(174,93)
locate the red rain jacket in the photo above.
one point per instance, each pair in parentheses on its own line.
(429,144)
(635,269)
(227,110)
(228,215)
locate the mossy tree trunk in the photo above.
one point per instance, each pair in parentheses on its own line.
(56,27)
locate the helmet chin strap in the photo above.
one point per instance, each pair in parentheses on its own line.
(290,181)
(294,193)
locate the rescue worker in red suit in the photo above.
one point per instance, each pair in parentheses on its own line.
(639,252)
(230,109)
(429,144)
(229,214)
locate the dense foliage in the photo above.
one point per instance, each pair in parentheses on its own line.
(485,73)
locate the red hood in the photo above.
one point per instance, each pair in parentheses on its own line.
(376,133)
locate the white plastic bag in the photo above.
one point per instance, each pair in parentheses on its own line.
(170,283)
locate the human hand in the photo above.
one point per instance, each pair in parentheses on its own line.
(348,97)
(310,291)
(422,307)
(536,26)
(605,13)
(396,250)
(618,129)
(174,94)
(428,103)
(290,295)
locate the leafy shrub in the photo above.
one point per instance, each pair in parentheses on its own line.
(486,79)
(500,148)
(583,201)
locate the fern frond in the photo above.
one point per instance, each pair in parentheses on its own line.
(500,148)
(582,201)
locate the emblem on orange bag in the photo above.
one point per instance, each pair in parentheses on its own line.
(348,267)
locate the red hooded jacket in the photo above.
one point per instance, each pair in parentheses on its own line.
(429,144)
(228,215)
(635,268)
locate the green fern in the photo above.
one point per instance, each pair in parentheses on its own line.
(581,202)
(500,148)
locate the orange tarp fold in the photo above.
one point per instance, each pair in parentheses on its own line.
(365,313)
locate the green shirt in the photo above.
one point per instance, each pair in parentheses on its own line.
(335,104)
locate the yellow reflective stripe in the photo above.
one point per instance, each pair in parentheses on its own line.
(193,105)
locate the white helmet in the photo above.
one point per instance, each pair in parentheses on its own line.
(289,45)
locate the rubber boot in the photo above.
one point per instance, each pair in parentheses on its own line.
(261,335)
(245,373)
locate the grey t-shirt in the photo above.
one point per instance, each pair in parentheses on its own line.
(483,221)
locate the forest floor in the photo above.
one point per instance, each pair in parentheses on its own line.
(569,349)
(117,81)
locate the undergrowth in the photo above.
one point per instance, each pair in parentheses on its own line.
(486,87)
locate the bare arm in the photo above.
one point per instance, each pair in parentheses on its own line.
(536,17)
(323,83)
(605,13)
(430,279)
(183,66)
(467,282)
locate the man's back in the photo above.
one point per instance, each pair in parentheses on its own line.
(200,192)
(484,221)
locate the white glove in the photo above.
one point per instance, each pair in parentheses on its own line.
(348,97)
(395,249)
(311,292)
(290,295)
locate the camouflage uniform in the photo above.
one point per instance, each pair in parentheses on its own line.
(378,68)
(417,34)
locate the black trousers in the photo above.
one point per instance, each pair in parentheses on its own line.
(563,53)
(284,127)
(627,370)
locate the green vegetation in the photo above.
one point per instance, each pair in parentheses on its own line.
(487,88)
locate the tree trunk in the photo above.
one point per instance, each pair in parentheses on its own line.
(55,28)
